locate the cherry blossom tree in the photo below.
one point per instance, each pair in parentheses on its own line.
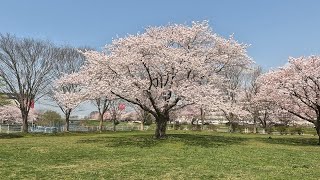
(68,97)
(11,113)
(67,93)
(295,88)
(262,112)
(166,68)
(82,88)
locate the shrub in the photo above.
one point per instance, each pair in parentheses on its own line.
(211,127)
(282,129)
(296,130)
(116,122)
(50,118)
(148,121)
(234,126)
(177,126)
(194,127)
(270,129)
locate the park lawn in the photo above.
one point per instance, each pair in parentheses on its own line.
(136,155)
(108,123)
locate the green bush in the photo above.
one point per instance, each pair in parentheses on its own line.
(116,122)
(270,129)
(50,118)
(296,130)
(189,126)
(211,127)
(148,119)
(198,127)
(234,126)
(309,130)
(177,126)
(282,129)
(194,127)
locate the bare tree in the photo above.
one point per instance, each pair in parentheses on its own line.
(69,61)
(4,98)
(26,70)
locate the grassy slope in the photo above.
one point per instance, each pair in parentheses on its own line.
(136,155)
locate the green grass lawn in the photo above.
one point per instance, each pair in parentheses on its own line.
(136,155)
(109,124)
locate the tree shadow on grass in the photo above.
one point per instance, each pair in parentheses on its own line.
(207,141)
(133,140)
(293,141)
(10,136)
(145,141)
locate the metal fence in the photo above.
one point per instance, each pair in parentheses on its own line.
(16,128)
(10,128)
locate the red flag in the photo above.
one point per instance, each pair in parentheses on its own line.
(122,107)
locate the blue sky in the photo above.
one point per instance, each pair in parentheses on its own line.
(276,29)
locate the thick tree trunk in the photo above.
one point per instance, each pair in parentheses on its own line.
(317,124)
(254,124)
(161,127)
(25,122)
(66,126)
(101,122)
(231,121)
(255,120)
(318,136)
(264,125)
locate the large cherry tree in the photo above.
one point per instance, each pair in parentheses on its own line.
(295,88)
(167,67)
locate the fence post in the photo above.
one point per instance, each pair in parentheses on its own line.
(8,131)
(246,130)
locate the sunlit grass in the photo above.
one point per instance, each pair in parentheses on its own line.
(137,155)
